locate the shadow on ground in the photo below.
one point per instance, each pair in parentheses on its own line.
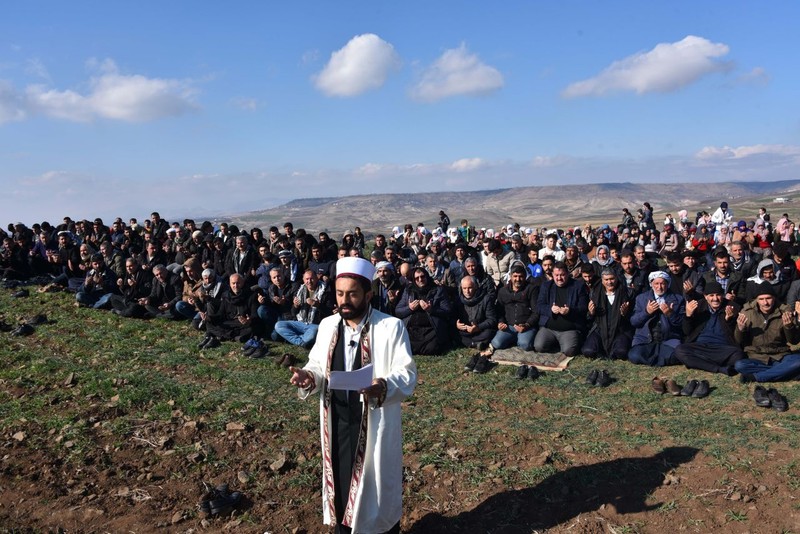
(624,483)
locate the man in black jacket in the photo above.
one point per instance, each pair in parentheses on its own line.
(709,326)
(610,305)
(476,320)
(562,304)
(516,312)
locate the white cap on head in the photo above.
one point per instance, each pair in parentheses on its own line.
(355,267)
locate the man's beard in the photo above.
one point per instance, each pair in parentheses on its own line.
(352,312)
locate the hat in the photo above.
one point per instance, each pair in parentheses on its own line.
(352,266)
(461,244)
(724,205)
(384,264)
(714,288)
(765,288)
(284,253)
(658,274)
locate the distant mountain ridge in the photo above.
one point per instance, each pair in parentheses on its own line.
(531,206)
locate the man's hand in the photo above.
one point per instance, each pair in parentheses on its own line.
(666,309)
(592,307)
(729,309)
(652,307)
(520,328)
(741,322)
(425,305)
(502,326)
(624,308)
(301,378)
(687,286)
(788,318)
(376,391)
(691,306)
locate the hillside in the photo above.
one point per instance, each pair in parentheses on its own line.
(532,206)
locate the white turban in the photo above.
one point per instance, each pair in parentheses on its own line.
(658,274)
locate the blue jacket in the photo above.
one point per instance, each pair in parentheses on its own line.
(670,328)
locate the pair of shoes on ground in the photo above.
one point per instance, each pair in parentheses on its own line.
(599,379)
(770,398)
(478,364)
(24,329)
(209,342)
(255,348)
(20,294)
(527,371)
(286,360)
(697,389)
(219,500)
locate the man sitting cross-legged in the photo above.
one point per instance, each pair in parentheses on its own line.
(765,329)
(309,306)
(610,305)
(562,304)
(517,312)
(709,328)
(658,319)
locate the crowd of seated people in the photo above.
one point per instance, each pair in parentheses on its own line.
(709,292)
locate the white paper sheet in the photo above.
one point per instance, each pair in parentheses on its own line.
(351,381)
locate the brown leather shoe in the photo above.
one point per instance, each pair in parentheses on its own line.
(673,387)
(658,386)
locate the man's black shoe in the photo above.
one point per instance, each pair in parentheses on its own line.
(689,388)
(482,366)
(761,397)
(21,293)
(204,341)
(23,330)
(778,401)
(603,379)
(212,343)
(746,378)
(259,353)
(5,327)
(702,390)
(591,379)
(533,372)
(470,365)
(522,372)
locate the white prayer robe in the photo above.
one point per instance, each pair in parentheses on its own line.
(379,501)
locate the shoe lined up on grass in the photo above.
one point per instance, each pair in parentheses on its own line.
(673,388)
(482,366)
(473,361)
(658,385)
(533,372)
(522,372)
(702,390)
(599,379)
(778,401)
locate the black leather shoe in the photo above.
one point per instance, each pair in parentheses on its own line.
(522,372)
(591,378)
(689,388)
(212,343)
(761,397)
(20,294)
(603,379)
(482,366)
(204,341)
(533,372)
(23,330)
(702,389)
(778,401)
(470,365)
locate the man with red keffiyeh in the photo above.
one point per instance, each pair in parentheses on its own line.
(362,449)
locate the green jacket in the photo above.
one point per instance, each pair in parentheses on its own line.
(766,338)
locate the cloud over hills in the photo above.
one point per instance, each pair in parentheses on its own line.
(363,64)
(457,72)
(666,68)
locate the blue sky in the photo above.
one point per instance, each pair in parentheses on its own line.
(111,108)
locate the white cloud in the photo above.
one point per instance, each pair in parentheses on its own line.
(727,152)
(666,68)
(457,72)
(111,95)
(245,104)
(756,76)
(549,161)
(467,164)
(35,67)
(361,65)
(12,104)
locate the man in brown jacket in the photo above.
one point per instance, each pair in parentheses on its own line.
(766,329)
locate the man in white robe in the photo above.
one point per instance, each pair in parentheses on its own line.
(361,431)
